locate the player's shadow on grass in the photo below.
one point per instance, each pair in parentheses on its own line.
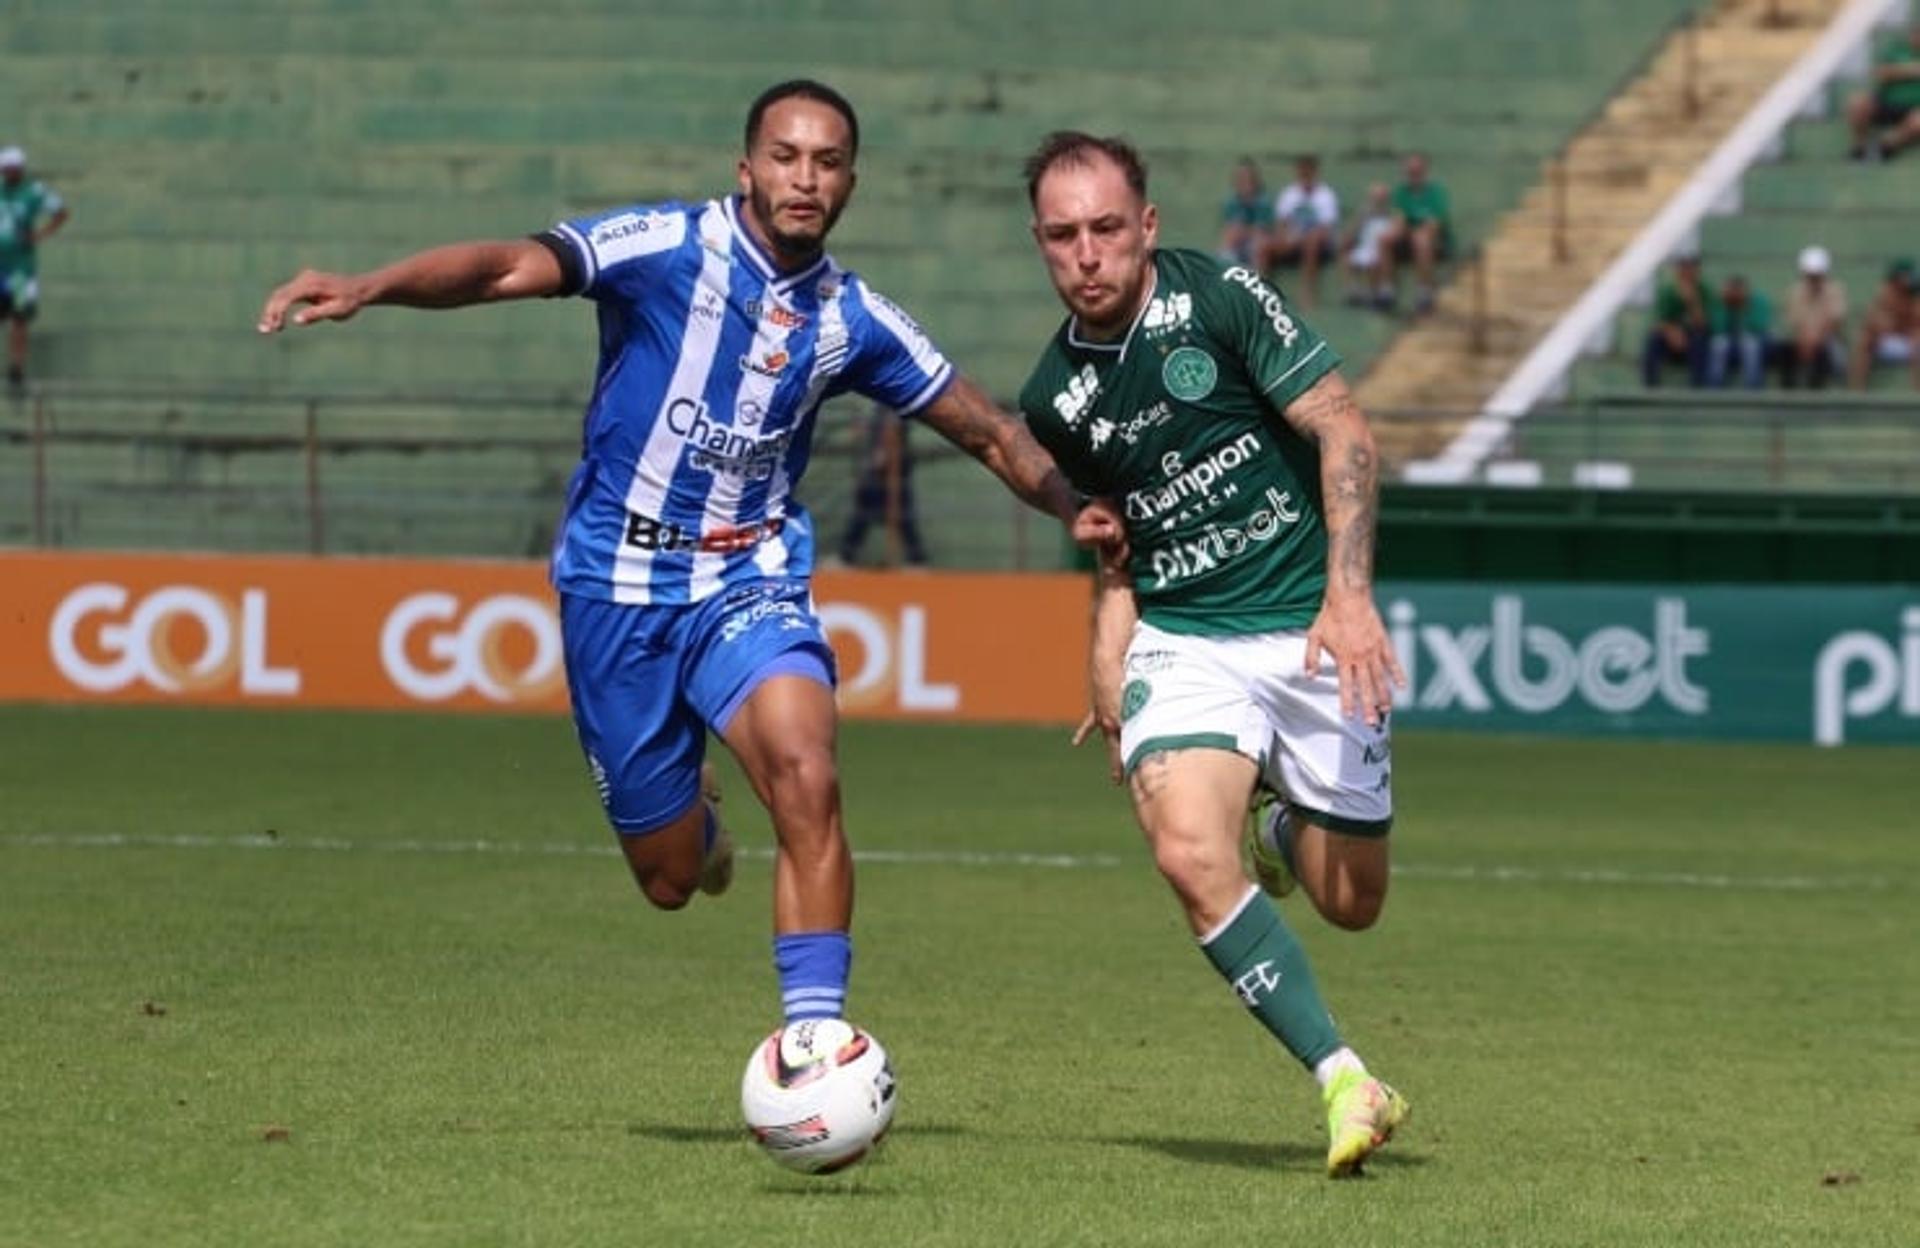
(1248,1155)
(677,1133)
(674,1133)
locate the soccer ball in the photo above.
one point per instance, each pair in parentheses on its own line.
(818,1095)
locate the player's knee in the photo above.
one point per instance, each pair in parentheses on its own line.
(1359,911)
(1186,861)
(802,775)
(664,891)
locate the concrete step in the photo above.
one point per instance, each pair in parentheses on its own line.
(1612,179)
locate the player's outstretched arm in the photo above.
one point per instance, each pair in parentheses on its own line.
(52,226)
(444,277)
(966,417)
(1348,625)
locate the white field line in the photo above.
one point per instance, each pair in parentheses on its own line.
(967,858)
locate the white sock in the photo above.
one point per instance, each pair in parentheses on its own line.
(1337,1062)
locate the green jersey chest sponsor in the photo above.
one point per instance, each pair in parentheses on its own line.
(1178,424)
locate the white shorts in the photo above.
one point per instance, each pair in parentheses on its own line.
(1893,349)
(1249,694)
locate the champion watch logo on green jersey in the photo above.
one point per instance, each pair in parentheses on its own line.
(1133,697)
(1189,374)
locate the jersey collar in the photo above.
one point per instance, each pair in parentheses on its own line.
(756,255)
(1073,322)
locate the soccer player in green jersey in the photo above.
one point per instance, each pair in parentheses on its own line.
(1248,654)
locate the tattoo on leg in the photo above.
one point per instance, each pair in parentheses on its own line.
(1150,776)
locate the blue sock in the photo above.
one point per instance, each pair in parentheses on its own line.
(813,970)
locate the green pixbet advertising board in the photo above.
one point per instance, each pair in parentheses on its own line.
(1831,665)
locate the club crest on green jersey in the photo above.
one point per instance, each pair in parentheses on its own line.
(1189,374)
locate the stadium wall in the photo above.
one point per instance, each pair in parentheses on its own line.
(1827,664)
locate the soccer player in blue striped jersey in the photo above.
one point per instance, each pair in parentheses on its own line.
(683,560)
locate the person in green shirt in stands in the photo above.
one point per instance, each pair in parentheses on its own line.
(1893,105)
(1742,327)
(1246,218)
(1422,232)
(29,214)
(1683,320)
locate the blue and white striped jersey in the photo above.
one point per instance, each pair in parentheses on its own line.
(713,365)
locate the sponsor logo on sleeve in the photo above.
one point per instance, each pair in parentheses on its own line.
(628,235)
(1271,305)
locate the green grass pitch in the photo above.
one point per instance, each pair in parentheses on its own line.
(379,980)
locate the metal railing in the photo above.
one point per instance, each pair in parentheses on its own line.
(485,476)
(467,475)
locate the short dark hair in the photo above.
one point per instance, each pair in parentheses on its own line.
(1077,147)
(802,89)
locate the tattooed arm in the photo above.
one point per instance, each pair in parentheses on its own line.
(971,421)
(1348,626)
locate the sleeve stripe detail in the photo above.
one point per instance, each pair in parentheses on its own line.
(1304,361)
(573,274)
(589,261)
(931,391)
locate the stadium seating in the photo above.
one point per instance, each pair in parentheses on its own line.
(1864,216)
(209,147)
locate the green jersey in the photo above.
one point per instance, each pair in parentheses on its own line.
(1427,202)
(1905,92)
(22,209)
(1180,423)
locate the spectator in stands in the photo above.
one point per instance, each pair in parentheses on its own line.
(1890,334)
(1422,231)
(1366,246)
(1683,317)
(29,214)
(1887,118)
(1246,219)
(1742,324)
(1306,223)
(884,493)
(1816,322)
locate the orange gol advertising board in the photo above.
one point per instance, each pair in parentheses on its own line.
(484,636)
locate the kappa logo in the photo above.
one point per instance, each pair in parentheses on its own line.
(1082,389)
(1100,431)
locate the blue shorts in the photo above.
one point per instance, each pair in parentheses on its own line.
(647,683)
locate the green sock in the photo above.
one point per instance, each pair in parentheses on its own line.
(1265,964)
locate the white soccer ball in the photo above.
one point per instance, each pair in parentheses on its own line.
(818,1095)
